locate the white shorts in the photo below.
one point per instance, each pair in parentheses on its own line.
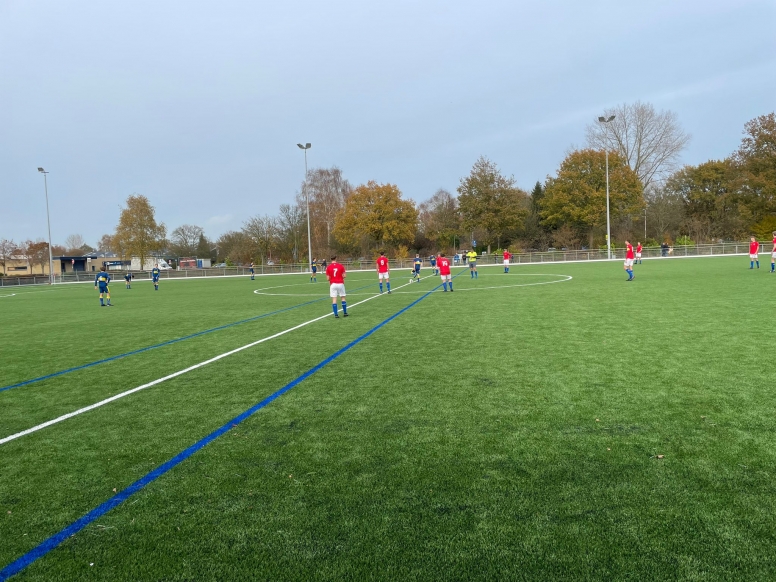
(753,257)
(628,262)
(446,278)
(381,276)
(337,289)
(506,262)
(773,255)
(638,255)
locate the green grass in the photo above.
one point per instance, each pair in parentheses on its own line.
(506,433)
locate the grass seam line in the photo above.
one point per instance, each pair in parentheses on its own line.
(159,345)
(115,397)
(53,541)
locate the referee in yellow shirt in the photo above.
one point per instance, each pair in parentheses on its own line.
(472,258)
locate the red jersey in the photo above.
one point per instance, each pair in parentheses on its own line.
(507,255)
(629,252)
(754,247)
(444,265)
(336,273)
(638,249)
(774,243)
(382,265)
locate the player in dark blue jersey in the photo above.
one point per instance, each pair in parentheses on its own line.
(416,263)
(314,270)
(128,280)
(101,280)
(155,277)
(253,272)
(432,262)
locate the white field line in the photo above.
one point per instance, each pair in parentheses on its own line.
(64,417)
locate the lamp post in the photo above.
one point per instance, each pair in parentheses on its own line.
(608,223)
(306,147)
(48,221)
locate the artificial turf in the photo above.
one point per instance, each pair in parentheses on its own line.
(585,429)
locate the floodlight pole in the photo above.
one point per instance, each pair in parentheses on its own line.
(307,205)
(48,222)
(608,221)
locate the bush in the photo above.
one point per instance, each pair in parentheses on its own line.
(685,241)
(651,242)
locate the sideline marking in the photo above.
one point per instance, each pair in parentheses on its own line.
(566,278)
(11,295)
(155,346)
(64,417)
(52,542)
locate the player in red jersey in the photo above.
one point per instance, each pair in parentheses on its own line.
(638,252)
(754,246)
(382,271)
(628,266)
(773,253)
(335,273)
(507,256)
(444,272)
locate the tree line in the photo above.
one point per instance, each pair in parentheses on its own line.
(651,199)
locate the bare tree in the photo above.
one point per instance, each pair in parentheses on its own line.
(105,243)
(650,142)
(73,243)
(327,190)
(184,240)
(263,234)
(7,247)
(291,224)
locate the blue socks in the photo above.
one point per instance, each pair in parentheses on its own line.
(334,309)
(344,307)
(388,284)
(445,285)
(758,264)
(101,302)
(451,284)
(381,287)
(630,274)
(751,264)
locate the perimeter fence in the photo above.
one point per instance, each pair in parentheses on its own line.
(556,256)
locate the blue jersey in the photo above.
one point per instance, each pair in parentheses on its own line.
(314,265)
(155,274)
(128,277)
(418,261)
(251,267)
(433,261)
(102,279)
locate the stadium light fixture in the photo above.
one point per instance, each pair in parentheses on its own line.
(608,221)
(48,222)
(306,147)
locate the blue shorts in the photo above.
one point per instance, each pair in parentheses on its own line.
(315,269)
(104,289)
(155,279)
(472,264)
(417,268)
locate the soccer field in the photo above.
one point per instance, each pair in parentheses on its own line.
(553,423)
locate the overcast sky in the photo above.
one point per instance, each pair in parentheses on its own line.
(199,105)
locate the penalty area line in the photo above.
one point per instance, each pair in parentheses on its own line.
(202,364)
(55,540)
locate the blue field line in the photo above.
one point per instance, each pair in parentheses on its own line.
(51,543)
(167,343)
